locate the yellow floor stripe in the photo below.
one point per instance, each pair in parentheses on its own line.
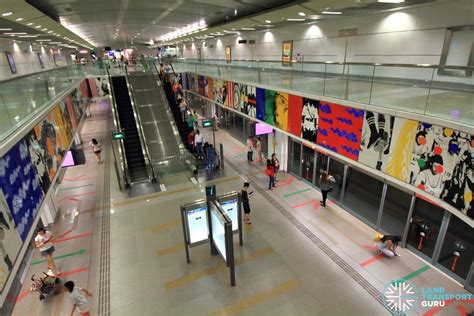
(258,298)
(214,269)
(170,250)
(161,227)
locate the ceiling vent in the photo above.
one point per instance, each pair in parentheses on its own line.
(242,41)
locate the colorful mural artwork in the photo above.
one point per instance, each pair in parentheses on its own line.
(281,113)
(260,104)
(220,91)
(202,82)
(239,96)
(441,165)
(340,128)
(270,106)
(309,120)
(10,242)
(209,90)
(20,186)
(250,101)
(295,112)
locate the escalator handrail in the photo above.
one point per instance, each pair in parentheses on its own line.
(123,159)
(141,133)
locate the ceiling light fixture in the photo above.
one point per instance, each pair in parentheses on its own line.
(19,19)
(296,20)
(332,12)
(31,23)
(15,33)
(268,21)
(248,29)
(5,29)
(45,29)
(37,27)
(391,1)
(7,14)
(301,14)
(25,36)
(43,40)
(49,32)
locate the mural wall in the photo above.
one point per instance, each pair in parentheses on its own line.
(26,173)
(435,159)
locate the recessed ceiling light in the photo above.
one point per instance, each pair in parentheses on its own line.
(391,1)
(7,14)
(15,33)
(301,14)
(248,29)
(49,32)
(332,12)
(43,40)
(19,19)
(37,27)
(296,20)
(45,29)
(25,36)
(5,29)
(268,21)
(31,23)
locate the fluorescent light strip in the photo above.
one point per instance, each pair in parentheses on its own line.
(7,14)
(5,29)
(296,20)
(332,12)
(25,36)
(15,33)
(391,1)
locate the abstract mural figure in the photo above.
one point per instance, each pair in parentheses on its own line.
(309,119)
(379,136)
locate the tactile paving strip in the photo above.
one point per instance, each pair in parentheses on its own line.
(356,276)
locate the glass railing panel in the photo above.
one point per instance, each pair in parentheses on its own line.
(335,81)
(404,88)
(452,97)
(5,120)
(359,82)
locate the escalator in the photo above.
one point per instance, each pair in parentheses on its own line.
(133,151)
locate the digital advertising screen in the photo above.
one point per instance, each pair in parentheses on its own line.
(218,231)
(197,225)
(68,160)
(231,209)
(261,129)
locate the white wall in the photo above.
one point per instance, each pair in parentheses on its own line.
(26,58)
(410,36)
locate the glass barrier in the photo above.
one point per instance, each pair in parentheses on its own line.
(172,165)
(414,88)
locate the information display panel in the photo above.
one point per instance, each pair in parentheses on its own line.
(218,230)
(197,228)
(230,203)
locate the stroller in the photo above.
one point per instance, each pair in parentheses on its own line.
(45,285)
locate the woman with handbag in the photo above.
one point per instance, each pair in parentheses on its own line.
(325,184)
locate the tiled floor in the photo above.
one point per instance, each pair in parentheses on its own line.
(279,270)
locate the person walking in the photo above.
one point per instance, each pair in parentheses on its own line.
(245,202)
(250,148)
(325,184)
(259,149)
(96,149)
(44,242)
(196,120)
(270,172)
(182,108)
(78,297)
(198,142)
(276,165)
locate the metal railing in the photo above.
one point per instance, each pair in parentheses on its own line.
(420,89)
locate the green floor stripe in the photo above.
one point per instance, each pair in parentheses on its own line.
(297,192)
(80,186)
(76,253)
(413,274)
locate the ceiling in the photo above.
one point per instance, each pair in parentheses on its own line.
(128,23)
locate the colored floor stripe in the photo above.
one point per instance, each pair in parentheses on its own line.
(371,260)
(71,196)
(214,269)
(65,234)
(71,238)
(76,253)
(259,298)
(22,296)
(79,186)
(63,274)
(314,202)
(414,273)
(170,250)
(162,227)
(297,192)
(81,178)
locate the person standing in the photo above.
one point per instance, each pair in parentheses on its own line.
(198,141)
(191,137)
(196,120)
(325,184)
(44,242)
(78,297)
(96,149)
(270,172)
(182,108)
(259,149)
(276,165)
(245,202)
(250,148)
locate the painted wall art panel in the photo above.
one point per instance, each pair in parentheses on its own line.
(270,107)
(209,90)
(340,129)
(220,91)
(260,104)
(190,81)
(10,242)
(239,94)
(202,82)
(20,186)
(309,120)
(229,101)
(281,110)
(295,111)
(250,101)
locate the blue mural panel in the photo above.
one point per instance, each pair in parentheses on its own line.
(20,186)
(260,104)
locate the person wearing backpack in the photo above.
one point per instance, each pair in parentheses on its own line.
(270,172)
(325,184)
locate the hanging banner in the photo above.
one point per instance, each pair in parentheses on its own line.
(286,53)
(228,54)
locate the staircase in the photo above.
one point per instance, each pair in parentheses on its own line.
(133,150)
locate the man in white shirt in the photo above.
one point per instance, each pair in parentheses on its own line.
(250,145)
(78,298)
(198,141)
